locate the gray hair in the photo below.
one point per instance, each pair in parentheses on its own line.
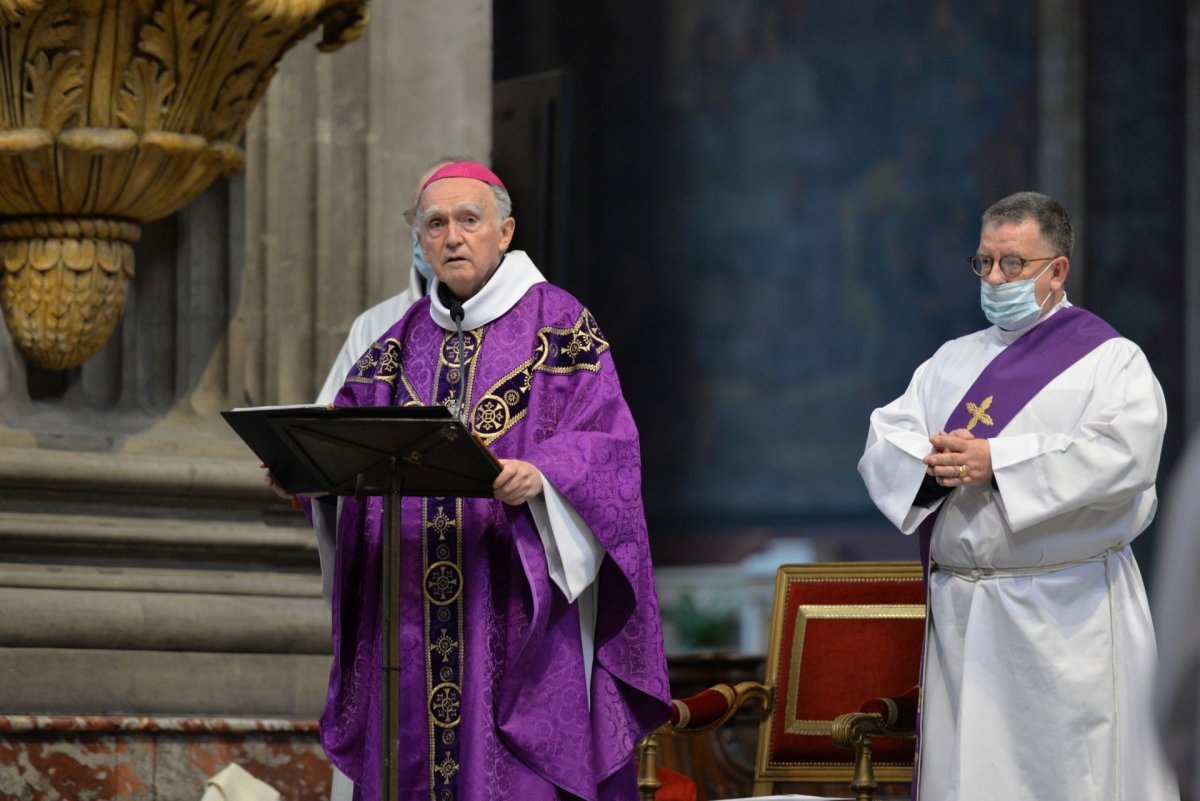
(1048,213)
(503,203)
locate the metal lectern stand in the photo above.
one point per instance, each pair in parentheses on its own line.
(393,451)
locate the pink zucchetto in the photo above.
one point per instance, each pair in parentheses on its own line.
(466,169)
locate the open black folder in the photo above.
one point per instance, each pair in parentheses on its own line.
(349,451)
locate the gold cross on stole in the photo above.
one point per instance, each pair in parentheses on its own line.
(979,413)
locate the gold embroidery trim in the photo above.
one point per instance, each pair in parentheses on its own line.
(448,351)
(445,705)
(443,700)
(493,416)
(443,583)
(384,367)
(581,341)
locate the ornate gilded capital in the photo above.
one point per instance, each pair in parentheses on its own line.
(115,114)
(13,10)
(64,284)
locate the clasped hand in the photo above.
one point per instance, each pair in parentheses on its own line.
(959,459)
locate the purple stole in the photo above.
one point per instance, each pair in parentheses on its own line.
(1010,381)
(1016,375)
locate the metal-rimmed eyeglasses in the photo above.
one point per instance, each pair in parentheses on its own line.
(1011,266)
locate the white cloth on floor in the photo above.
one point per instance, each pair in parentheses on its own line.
(234,783)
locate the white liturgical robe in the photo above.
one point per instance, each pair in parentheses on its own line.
(1040,652)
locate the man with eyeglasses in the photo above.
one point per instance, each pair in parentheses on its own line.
(1025,456)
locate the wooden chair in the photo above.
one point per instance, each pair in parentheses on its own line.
(840,695)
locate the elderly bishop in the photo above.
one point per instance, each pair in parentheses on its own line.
(531,650)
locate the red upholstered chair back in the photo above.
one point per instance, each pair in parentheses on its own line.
(841,634)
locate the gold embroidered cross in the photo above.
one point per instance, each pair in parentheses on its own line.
(447,769)
(979,413)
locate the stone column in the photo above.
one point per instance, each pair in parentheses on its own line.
(1062,120)
(144,567)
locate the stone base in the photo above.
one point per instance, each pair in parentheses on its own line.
(53,758)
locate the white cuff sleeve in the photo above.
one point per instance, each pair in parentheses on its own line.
(573,554)
(326,527)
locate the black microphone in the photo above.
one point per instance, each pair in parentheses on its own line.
(457,314)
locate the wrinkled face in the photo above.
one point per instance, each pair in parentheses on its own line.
(460,234)
(1024,239)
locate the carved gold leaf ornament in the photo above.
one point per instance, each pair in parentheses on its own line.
(296,10)
(117,113)
(13,10)
(145,92)
(64,281)
(348,26)
(174,34)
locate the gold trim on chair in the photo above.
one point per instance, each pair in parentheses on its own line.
(767,772)
(705,712)
(807,612)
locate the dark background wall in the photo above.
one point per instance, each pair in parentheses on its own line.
(768,206)
(1135,171)
(1135,176)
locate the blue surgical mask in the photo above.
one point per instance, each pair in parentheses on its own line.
(1013,305)
(423,267)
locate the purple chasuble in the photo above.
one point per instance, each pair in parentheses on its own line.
(1011,380)
(493,697)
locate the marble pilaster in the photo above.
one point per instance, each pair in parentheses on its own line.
(144,566)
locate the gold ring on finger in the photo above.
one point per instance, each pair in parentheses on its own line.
(962,470)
